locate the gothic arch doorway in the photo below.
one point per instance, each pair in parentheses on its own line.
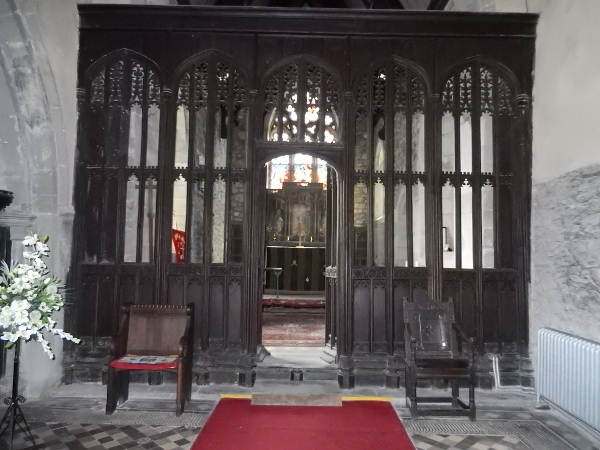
(297,265)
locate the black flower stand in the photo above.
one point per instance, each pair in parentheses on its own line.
(14,414)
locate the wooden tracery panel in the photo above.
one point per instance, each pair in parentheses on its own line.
(355,103)
(389,165)
(479,175)
(208,171)
(302,103)
(390,182)
(119,147)
(208,193)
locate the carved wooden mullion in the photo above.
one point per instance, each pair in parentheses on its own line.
(168,174)
(522,209)
(375,106)
(139,96)
(190,92)
(230,101)
(122,87)
(432,109)
(391,88)
(280,100)
(477,87)
(496,164)
(145,107)
(409,168)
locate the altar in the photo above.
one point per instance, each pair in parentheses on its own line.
(302,268)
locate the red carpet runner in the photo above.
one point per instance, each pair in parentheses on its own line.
(357,425)
(295,329)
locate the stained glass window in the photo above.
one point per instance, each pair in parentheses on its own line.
(279,172)
(322,171)
(298,168)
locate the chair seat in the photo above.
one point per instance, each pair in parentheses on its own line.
(141,362)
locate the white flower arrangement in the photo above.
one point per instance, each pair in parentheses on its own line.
(29,296)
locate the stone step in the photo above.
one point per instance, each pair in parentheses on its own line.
(285,373)
(297,393)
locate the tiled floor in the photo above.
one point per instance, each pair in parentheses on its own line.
(73,418)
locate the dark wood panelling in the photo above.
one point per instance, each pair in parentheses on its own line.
(364,302)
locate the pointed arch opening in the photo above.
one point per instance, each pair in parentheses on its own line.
(298,290)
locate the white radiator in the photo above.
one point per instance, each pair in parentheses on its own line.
(569,374)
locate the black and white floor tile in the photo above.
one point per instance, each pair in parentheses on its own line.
(80,423)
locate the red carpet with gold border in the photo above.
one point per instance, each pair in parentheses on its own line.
(357,425)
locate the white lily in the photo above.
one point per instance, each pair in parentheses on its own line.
(28,295)
(19,305)
(30,240)
(41,248)
(21,317)
(30,255)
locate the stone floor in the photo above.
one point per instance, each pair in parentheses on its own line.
(72,417)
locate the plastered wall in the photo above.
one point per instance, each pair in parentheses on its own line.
(565,282)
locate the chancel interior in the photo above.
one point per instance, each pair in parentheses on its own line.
(298,172)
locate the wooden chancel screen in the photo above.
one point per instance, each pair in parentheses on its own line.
(421,122)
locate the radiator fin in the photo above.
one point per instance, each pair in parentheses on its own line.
(569,374)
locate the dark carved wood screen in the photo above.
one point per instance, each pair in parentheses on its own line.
(423,118)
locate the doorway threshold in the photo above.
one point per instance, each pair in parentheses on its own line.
(295,357)
(295,364)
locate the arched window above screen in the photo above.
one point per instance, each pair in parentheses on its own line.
(302,103)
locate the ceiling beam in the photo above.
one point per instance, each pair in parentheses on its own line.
(437,5)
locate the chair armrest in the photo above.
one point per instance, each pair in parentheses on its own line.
(413,342)
(184,347)
(410,333)
(464,337)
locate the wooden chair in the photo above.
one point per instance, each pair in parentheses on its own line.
(432,341)
(152,331)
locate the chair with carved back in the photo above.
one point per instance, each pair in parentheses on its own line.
(152,337)
(434,344)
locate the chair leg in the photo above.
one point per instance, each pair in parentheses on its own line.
(188,383)
(112,393)
(454,384)
(407,386)
(472,409)
(413,395)
(124,385)
(181,388)
(117,390)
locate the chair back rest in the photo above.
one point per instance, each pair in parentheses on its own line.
(157,330)
(431,325)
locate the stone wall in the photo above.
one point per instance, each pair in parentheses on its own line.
(38,123)
(38,61)
(565,260)
(565,287)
